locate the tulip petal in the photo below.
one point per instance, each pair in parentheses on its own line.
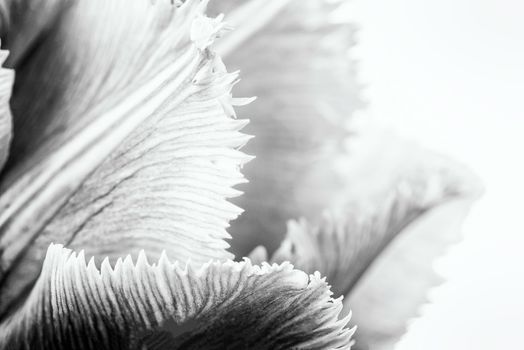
(233,305)
(379,228)
(6,84)
(148,166)
(249,16)
(349,238)
(23,23)
(298,67)
(396,286)
(74,56)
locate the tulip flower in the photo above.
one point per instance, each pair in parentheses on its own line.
(123,173)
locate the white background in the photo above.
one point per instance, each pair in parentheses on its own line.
(450,73)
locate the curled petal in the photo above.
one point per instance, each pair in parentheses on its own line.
(396,286)
(386,226)
(147,151)
(232,305)
(350,237)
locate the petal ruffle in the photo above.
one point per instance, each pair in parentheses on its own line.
(135,306)
(153,155)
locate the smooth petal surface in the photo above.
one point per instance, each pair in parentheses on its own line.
(227,6)
(248,16)
(23,23)
(6,85)
(147,150)
(298,67)
(397,284)
(163,306)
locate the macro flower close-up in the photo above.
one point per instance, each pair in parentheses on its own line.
(185,175)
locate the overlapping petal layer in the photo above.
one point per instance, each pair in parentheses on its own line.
(136,145)
(125,141)
(232,305)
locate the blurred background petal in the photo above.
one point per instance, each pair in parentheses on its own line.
(450,75)
(298,65)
